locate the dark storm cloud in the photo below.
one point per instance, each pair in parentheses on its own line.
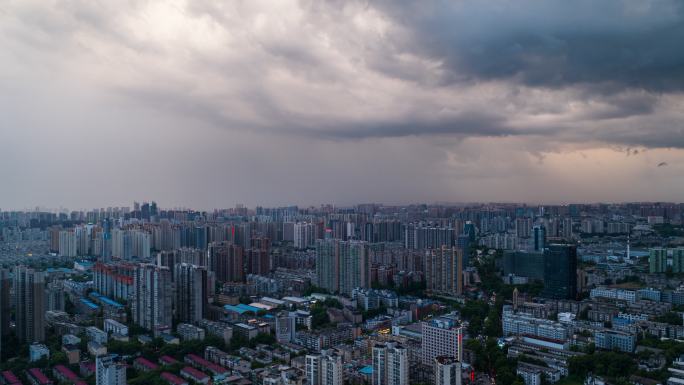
(620,44)
(617,58)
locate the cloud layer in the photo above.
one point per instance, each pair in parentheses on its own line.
(206,103)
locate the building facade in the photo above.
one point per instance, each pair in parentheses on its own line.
(29,292)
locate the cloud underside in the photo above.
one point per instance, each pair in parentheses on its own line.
(577,72)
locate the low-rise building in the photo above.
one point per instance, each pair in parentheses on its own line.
(96,334)
(172,379)
(73,353)
(37,377)
(526,324)
(96,349)
(144,365)
(65,375)
(614,339)
(532,374)
(194,375)
(38,351)
(221,330)
(9,378)
(115,327)
(188,332)
(70,339)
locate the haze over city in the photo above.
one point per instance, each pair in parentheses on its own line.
(205,104)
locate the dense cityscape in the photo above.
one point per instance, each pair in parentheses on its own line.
(507,294)
(341,192)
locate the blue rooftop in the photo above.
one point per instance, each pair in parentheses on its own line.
(366,370)
(242,308)
(106,300)
(89,303)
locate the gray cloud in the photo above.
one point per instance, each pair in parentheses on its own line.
(471,98)
(619,44)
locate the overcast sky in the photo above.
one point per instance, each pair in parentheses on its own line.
(211,103)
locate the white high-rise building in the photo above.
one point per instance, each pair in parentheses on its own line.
(442,336)
(324,369)
(304,235)
(313,369)
(67,244)
(110,370)
(142,242)
(83,239)
(390,364)
(331,370)
(447,371)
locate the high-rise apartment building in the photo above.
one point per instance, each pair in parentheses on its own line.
(152,298)
(127,244)
(390,364)
(447,371)
(419,236)
(444,270)
(303,235)
(342,266)
(67,244)
(29,293)
(5,305)
(114,279)
(678,260)
(226,261)
(657,260)
(54,296)
(354,266)
(567,228)
(523,227)
(190,283)
(110,370)
(328,264)
(442,336)
(258,256)
(324,369)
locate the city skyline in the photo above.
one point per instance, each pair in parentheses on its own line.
(310,102)
(474,204)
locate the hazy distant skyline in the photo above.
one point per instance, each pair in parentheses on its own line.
(205,104)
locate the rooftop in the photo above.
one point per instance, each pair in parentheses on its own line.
(194,373)
(38,375)
(172,378)
(242,308)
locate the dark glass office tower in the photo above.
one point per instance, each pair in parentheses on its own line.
(524,264)
(560,271)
